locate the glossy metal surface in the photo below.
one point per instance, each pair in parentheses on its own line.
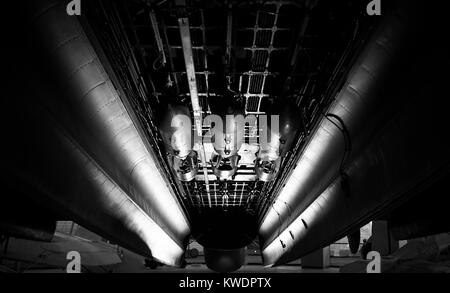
(278,133)
(176,130)
(224,167)
(186,168)
(267,169)
(402,155)
(228,141)
(228,137)
(362,96)
(92,110)
(394,167)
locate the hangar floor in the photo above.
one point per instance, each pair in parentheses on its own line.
(133,263)
(429,254)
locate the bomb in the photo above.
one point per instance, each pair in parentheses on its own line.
(175,126)
(277,137)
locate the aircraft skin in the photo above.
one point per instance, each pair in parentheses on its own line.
(75,148)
